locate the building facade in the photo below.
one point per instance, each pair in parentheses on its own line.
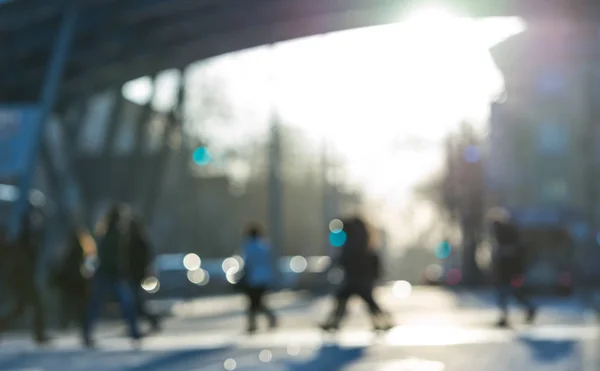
(543,150)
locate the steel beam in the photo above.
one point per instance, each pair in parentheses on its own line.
(47,99)
(184,27)
(269,21)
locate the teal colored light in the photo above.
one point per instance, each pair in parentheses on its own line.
(338,238)
(201,156)
(443,250)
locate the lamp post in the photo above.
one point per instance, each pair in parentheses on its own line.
(275,176)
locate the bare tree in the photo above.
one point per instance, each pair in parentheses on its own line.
(459,192)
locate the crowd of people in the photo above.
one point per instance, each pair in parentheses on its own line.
(118,256)
(114,259)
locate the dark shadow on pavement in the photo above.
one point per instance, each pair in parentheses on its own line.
(98,360)
(546,351)
(174,360)
(329,358)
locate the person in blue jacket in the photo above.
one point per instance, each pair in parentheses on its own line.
(259,275)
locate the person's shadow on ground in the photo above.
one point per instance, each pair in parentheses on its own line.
(546,351)
(329,358)
(98,360)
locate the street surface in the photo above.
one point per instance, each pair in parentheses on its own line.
(437,330)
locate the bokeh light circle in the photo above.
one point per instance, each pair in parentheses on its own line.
(336,226)
(202,156)
(338,239)
(192,262)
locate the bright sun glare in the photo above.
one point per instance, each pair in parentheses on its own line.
(367,90)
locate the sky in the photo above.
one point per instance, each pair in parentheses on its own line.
(366,91)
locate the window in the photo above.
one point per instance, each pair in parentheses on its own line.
(551,82)
(555,191)
(553,138)
(95,123)
(126,132)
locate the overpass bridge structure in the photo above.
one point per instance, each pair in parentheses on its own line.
(114,41)
(56,55)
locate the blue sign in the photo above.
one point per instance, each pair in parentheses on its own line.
(17,136)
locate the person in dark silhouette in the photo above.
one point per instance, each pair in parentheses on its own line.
(73,278)
(141,257)
(510,268)
(112,274)
(20,266)
(258,276)
(361,267)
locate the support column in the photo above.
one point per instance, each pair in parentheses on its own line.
(50,90)
(155,178)
(135,184)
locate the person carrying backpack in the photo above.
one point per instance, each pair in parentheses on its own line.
(111,274)
(361,266)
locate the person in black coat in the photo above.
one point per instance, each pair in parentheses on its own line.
(510,260)
(361,267)
(73,280)
(19,270)
(112,274)
(141,257)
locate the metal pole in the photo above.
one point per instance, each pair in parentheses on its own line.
(326,202)
(275,176)
(48,95)
(276,214)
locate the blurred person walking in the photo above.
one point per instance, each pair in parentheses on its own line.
(510,257)
(258,276)
(141,257)
(112,274)
(72,277)
(361,265)
(19,267)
